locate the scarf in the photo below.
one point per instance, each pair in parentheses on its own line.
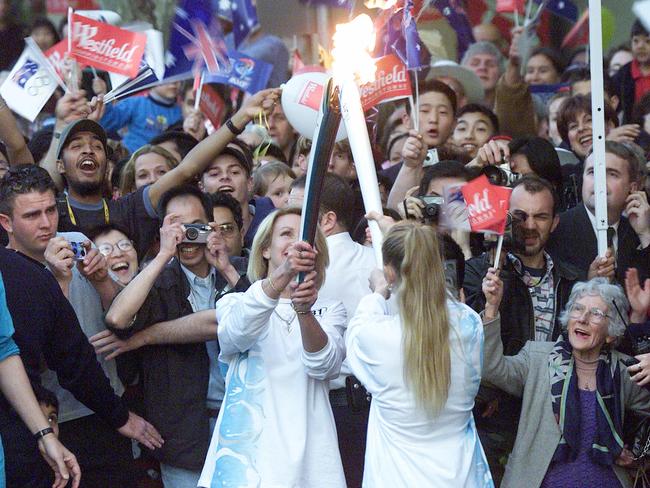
(607,443)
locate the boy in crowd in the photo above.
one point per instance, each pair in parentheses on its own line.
(633,79)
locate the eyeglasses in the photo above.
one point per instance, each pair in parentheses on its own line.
(224,230)
(123,245)
(595,315)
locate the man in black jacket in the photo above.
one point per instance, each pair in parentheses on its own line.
(537,288)
(181,389)
(47,328)
(574,239)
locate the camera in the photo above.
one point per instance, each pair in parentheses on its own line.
(431,158)
(640,338)
(432,207)
(79,250)
(500,175)
(196,233)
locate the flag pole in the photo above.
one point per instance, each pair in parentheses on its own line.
(598,122)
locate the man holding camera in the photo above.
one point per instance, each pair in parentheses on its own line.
(537,288)
(28,214)
(180,397)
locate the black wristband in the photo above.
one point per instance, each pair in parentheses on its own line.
(42,433)
(232,128)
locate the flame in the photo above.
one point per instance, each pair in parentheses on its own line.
(382,4)
(351,53)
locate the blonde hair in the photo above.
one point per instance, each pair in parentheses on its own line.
(266,174)
(258,265)
(127,175)
(413,251)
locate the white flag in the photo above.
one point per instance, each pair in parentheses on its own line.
(642,10)
(29,85)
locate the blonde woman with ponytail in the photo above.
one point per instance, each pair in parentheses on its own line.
(421,361)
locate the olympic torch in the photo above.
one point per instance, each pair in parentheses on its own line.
(353,66)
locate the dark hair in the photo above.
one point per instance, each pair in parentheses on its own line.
(3,150)
(226,200)
(382,179)
(443,169)
(641,109)
(20,180)
(45,396)
(40,142)
(575,74)
(299,182)
(437,86)
(184,191)
(570,109)
(275,151)
(542,158)
(359,232)
(478,108)
(638,29)
(338,197)
(102,229)
(534,184)
(45,22)
(553,56)
(184,141)
(242,153)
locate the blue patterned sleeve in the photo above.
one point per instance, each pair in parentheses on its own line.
(7,345)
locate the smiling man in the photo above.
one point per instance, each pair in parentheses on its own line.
(537,288)
(182,385)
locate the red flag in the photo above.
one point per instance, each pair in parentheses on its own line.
(391,82)
(579,33)
(487,205)
(56,56)
(107,47)
(510,6)
(212,105)
(296,63)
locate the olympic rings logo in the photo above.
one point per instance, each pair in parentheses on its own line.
(36,83)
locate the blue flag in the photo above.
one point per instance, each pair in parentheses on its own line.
(414,50)
(248,74)
(242,14)
(178,66)
(563,8)
(455,14)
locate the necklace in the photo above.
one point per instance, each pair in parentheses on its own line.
(586,373)
(287,322)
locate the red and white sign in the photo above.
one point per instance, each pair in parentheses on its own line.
(212,105)
(391,82)
(56,56)
(311,95)
(107,47)
(487,205)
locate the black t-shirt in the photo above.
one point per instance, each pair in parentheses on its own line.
(133,213)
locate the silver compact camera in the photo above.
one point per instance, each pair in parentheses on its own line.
(196,233)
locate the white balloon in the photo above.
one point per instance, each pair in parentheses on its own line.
(301,103)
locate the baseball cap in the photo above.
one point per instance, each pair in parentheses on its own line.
(471,83)
(241,153)
(82,125)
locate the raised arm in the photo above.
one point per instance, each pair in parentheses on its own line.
(12,137)
(410,174)
(126,305)
(199,158)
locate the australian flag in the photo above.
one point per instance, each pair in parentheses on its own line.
(455,14)
(243,16)
(563,8)
(178,65)
(248,74)
(398,34)
(25,72)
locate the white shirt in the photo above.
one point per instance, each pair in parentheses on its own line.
(592,219)
(275,428)
(405,447)
(346,280)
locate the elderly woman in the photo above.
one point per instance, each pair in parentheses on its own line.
(575,391)
(281,344)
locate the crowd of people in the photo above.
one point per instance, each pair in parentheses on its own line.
(163,324)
